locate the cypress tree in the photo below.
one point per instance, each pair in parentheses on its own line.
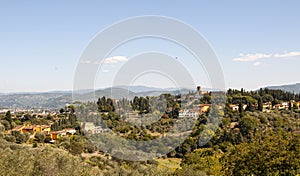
(260,104)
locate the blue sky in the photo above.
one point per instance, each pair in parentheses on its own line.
(41,42)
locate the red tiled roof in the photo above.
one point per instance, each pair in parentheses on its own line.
(205,104)
(45,126)
(19,127)
(57,132)
(28,128)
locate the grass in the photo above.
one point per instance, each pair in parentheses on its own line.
(170,163)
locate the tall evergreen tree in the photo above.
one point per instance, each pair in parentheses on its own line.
(241,109)
(290,105)
(8,116)
(260,104)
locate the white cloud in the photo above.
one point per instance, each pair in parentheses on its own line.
(260,56)
(115,59)
(252,57)
(105,71)
(256,64)
(109,60)
(287,55)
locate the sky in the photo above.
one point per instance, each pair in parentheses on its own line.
(257,42)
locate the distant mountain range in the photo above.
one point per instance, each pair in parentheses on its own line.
(289,88)
(58,99)
(34,100)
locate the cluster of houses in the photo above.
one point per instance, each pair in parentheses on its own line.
(54,135)
(36,112)
(195,111)
(203,108)
(46,129)
(235,107)
(285,105)
(32,128)
(268,106)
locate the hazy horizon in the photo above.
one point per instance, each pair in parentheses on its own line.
(148,86)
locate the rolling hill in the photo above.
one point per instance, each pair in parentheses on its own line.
(289,88)
(58,99)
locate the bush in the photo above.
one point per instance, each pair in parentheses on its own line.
(10,138)
(20,137)
(40,137)
(265,156)
(42,161)
(34,145)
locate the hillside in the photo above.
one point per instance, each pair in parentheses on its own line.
(289,88)
(34,100)
(58,99)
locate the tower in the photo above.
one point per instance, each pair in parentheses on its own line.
(199,90)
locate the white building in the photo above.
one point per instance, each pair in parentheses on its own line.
(188,113)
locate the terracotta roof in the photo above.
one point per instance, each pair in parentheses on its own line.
(56,132)
(19,127)
(204,104)
(45,126)
(28,128)
(61,131)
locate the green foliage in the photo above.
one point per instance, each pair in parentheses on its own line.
(8,125)
(247,125)
(2,128)
(40,137)
(202,160)
(8,116)
(10,138)
(105,105)
(20,137)
(269,154)
(244,144)
(241,109)
(44,161)
(206,99)
(76,148)
(260,104)
(34,145)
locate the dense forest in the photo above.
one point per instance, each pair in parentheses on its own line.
(254,139)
